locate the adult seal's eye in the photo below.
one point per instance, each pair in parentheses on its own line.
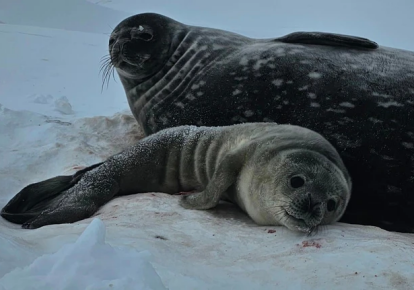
(145,36)
(297,181)
(331,205)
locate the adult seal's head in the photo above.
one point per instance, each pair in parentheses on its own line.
(140,45)
(156,56)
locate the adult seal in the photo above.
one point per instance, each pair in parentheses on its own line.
(358,95)
(278,174)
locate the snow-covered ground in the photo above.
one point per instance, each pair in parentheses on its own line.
(54,119)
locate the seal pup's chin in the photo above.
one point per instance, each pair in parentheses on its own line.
(297,224)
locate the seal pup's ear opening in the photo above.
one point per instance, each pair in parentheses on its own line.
(39,196)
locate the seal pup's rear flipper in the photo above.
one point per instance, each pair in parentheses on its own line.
(37,197)
(330,39)
(78,202)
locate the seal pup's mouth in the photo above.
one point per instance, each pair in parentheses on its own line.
(300,223)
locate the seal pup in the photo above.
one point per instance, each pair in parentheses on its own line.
(357,94)
(278,174)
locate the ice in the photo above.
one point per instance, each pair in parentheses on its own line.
(63,106)
(89,263)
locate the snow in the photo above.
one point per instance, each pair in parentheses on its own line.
(54,119)
(89,263)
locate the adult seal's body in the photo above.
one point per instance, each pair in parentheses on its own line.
(278,174)
(356,94)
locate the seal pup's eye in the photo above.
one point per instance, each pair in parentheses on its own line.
(331,205)
(297,181)
(111,41)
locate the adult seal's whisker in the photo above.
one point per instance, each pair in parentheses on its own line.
(107,69)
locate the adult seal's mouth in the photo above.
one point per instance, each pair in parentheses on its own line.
(122,51)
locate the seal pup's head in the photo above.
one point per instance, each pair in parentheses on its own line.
(297,188)
(140,45)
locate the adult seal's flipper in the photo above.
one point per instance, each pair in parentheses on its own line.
(330,39)
(32,200)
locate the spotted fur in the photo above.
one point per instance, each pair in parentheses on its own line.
(358,95)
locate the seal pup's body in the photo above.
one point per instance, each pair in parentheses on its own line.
(358,95)
(278,174)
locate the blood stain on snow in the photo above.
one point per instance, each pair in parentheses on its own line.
(271,231)
(306,244)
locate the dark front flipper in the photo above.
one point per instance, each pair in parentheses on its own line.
(329,39)
(224,176)
(38,197)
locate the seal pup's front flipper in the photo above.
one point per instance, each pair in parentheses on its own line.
(39,196)
(330,39)
(224,177)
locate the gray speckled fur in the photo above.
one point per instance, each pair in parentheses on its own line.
(247,164)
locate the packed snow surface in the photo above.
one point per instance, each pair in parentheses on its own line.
(54,119)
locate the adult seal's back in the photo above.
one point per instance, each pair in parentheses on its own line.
(357,94)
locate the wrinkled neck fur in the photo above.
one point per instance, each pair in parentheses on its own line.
(138,86)
(192,52)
